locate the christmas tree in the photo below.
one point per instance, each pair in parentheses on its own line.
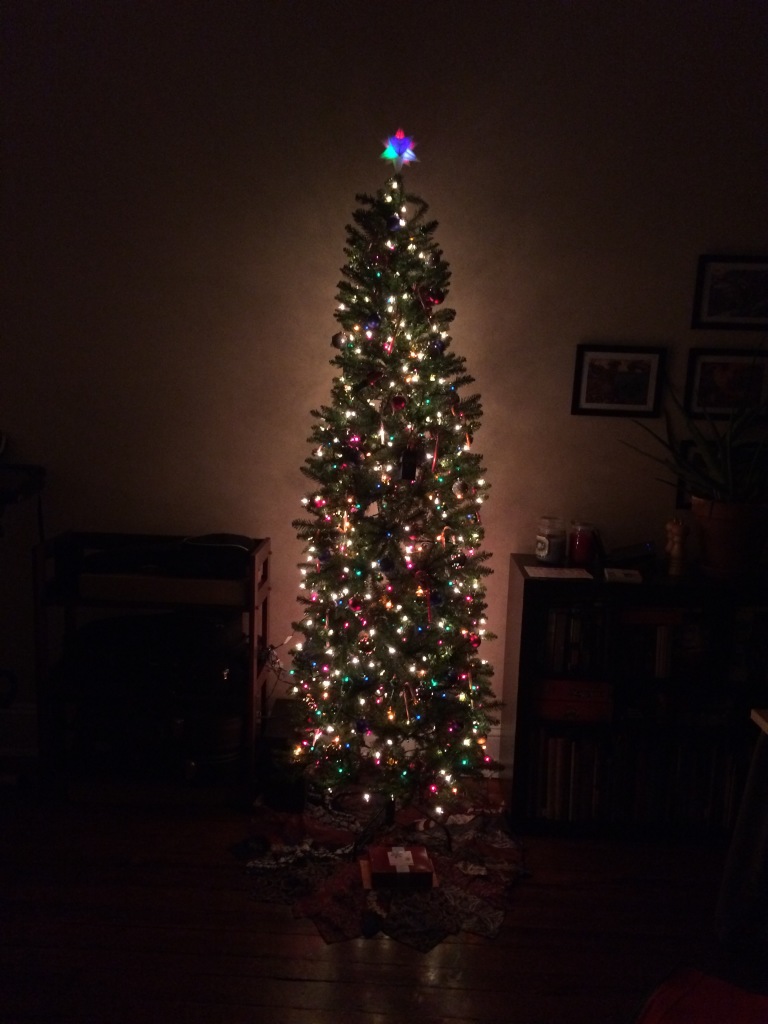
(397,698)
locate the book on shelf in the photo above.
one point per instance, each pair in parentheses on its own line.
(613,575)
(573,700)
(570,779)
(649,641)
(575,640)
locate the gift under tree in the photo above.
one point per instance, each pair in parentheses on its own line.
(398,700)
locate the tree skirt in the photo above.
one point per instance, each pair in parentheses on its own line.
(311,861)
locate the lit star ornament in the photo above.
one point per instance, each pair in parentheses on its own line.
(399,149)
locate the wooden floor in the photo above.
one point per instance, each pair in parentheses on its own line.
(127,907)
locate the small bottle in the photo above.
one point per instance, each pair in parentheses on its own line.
(550,541)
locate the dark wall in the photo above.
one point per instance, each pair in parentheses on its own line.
(177,181)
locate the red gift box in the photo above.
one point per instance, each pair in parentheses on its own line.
(401,867)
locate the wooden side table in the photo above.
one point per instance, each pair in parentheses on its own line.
(104,572)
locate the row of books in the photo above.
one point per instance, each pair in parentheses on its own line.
(575,640)
(569,779)
(653,642)
(633,781)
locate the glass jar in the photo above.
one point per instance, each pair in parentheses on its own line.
(550,541)
(581,543)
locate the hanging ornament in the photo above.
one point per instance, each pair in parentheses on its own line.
(373,323)
(356,603)
(410,461)
(437,346)
(460,488)
(429,296)
(350,456)
(377,257)
(373,378)
(338,340)
(473,640)
(424,582)
(399,402)
(435,452)
(395,222)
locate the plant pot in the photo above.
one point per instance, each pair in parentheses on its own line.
(732,537)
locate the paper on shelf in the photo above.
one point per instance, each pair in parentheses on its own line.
(548,572)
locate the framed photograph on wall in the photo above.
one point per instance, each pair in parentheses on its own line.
(731,293)
(720,381)
(617,380)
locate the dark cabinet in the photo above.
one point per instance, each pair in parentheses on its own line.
(152,652)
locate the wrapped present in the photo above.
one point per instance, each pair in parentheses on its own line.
(405,868)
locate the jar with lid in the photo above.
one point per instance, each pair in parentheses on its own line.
(550,541)
(582,543)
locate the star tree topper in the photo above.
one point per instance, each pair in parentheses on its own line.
(399,149)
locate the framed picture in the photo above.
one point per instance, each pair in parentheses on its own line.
(720,381)
(617,380)
(731,293)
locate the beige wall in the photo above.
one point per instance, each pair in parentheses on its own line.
(179,178)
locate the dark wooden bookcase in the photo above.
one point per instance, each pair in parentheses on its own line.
(627,705)
(80,576)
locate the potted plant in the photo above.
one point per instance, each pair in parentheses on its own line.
(722,466)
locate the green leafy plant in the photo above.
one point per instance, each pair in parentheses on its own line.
(719,460)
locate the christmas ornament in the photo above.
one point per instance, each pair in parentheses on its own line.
(409,463)
(350,456)
(399,402)
(399,149)
(431,297)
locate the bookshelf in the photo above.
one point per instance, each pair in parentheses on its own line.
(626,704)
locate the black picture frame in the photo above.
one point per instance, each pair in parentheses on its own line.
(720,381)
(617,380)
(731,293)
